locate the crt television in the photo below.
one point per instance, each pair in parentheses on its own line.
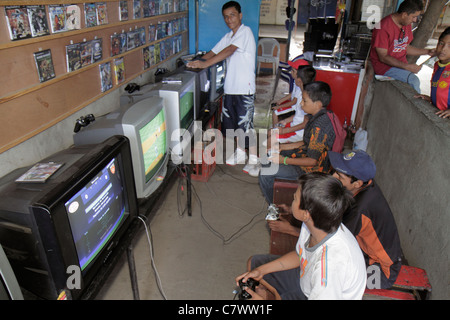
(203,83)
(70,224)
(143,122)
(180,101)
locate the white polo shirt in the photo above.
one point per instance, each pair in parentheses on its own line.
(240,77)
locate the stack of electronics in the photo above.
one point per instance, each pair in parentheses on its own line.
(321,34)
(211,82)
(62,219)
(357,41)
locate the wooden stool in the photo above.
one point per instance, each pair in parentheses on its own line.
(412,284)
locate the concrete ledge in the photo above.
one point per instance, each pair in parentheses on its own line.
(411,148)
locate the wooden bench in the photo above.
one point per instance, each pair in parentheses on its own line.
(412,283)
(283,193)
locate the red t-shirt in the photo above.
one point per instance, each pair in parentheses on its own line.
(389,36)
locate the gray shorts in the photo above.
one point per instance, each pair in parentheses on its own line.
(287,283)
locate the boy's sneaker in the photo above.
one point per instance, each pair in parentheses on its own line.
(238,157)
(253,166)
(252,169)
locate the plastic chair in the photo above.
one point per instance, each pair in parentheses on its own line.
(267,53)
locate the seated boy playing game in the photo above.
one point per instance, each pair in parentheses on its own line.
(327,262)
(309,155)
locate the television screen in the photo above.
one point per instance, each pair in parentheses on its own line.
(96,211)
(143,121)
(220,76)
(203,82)
(187,107)
(218,73)
(153,137)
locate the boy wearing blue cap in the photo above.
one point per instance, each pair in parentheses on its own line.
(370,218)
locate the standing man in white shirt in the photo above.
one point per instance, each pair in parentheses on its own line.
(238,47)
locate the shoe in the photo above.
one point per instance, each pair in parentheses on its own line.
(238,157)
(252,169)
(253,166)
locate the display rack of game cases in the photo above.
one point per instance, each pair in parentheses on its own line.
(27,21)
(125,41)
(31,21)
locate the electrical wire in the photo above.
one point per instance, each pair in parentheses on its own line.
(235,235)
(150,243)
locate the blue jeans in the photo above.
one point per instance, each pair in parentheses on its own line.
(287,283)
(404,76)
(267,178)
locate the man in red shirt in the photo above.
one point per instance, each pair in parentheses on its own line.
(391,44)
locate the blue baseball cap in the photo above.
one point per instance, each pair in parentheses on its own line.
(355,163)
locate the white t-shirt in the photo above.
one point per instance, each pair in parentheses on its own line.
(240,77)
(299,113)
(332,269)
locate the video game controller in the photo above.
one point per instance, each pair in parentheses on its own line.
(251,283)
(83,122)
(273,213)
(132,87)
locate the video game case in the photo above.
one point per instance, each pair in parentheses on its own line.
(73,17)
(136,9)
(18,22)
(102,13)
(157,52)
(146,8)
(119,70)
(57,17)
(152,55)
(152,33)
(73,57)
(106,81)
(173,80)
(85,53)
(90,14)
(38,20)
(97,50)
(146,56)
(123,10)
(132,39)
(44,65)
(40,172)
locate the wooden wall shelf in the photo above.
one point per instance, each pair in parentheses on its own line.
(28,106)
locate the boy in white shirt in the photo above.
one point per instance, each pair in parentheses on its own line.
(288,102)
(291,128)
(238,47)
(328,262)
